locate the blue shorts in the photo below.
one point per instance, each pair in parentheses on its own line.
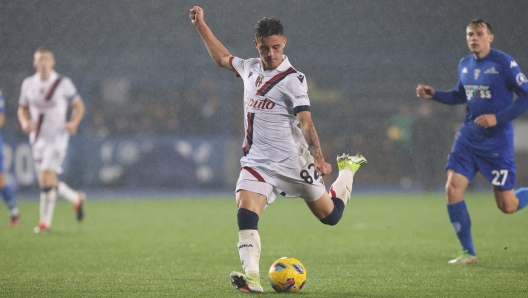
(499,170)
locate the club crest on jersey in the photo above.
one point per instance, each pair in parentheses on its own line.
(476,73)
(259,80)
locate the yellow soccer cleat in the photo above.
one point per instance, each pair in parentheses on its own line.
(351,162)
(465,258)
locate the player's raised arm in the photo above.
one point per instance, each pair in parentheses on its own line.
(216,49)
(310,135)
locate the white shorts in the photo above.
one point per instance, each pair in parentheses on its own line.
(49,155)
(291,178)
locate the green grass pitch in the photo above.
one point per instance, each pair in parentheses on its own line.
(386,245)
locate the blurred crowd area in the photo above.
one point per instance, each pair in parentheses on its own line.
(119,109)
(405,139)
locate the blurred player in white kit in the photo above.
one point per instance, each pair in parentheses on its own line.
(281,149)
(42,112)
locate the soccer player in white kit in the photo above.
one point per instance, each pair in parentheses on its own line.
(43,107)
(279,135)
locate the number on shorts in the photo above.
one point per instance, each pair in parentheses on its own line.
(306,176)
(316,175)
(497,174)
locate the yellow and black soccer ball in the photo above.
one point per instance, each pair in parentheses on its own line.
(287,275)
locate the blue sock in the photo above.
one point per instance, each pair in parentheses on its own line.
(247,220)
(522,195)
(333,218)
(9,198)
(459,216)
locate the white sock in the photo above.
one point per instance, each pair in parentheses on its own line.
(342,187)
(14,212)
(249,251)
(47,206)
(64,191)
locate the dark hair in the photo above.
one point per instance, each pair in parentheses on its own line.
(268,27)
(479,22)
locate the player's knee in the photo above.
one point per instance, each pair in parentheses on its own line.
(449,188)
(47,179)
(335,216)
(453,193)
(508,208)
(506,200)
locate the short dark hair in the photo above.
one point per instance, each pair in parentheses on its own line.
(268,27)
(480,22)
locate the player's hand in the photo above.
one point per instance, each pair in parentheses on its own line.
(486,120)
(28,127)
(196,15)
(71,128)
(323,168)
(425,91)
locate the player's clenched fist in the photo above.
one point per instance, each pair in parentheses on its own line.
(71,128)
(425,91)
(28,127)
(486,120)
(323,168)
(196,15)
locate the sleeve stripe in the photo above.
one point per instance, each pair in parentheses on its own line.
(299,109)
(231,63)
(71,98)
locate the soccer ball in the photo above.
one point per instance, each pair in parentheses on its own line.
(287,275)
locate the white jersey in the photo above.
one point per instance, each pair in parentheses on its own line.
(272,100)
(47,102)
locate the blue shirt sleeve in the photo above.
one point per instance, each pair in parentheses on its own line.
(516,82)
(454,96)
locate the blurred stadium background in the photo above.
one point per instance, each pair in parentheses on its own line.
(161,116)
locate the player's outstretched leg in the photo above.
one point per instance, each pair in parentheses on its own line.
(76,198)
(348,166)
(341,189)
(461,222)
(249,251)
(10,201)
